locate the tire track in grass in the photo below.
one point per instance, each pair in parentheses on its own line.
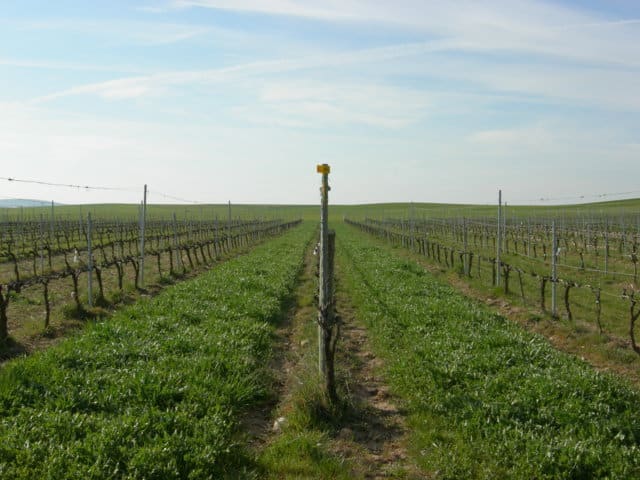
(258,423)
(374,430)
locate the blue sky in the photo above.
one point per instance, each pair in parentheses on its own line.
(410,100)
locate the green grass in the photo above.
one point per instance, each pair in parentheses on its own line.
(310,212)
(486,399)
(122,211)
(302,448)
(302,455)
(159,389)
(450,210)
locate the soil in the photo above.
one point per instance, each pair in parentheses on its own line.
(258,424)
(374,436)
(371,435)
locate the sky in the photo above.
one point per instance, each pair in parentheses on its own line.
(407,100)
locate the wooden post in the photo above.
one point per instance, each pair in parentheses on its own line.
(554,270)
(216,244)
(229,228)
(466,246)
(143,218)
(606,247)
(89,261)
(41,244)
(412,228)
(499,238)
(51,226)
(176,244)
(528,237)
(328,328)
(330,335)
(323,277)
(505,243)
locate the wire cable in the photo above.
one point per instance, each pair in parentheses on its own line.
(172,197)
(69,185)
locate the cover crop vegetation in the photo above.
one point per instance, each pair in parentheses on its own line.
(486,399)
(157,391)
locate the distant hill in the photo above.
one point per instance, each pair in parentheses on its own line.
(23,202)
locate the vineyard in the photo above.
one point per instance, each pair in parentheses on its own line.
(593,275)
(158,390)
(201,356)
(486,399)
(95,260)
(319,240)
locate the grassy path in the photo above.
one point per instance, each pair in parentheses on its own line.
(362,438)
(485,399)
(373,433)
(298,442)
(159,390)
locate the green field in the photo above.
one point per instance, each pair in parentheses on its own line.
(310,212)
(158,390)
(485,398)
(186,381)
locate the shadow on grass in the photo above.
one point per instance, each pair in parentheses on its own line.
(12,349)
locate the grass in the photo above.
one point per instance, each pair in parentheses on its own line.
(310,212)
(486,399)
(300,455)
(301,448)
(579,335)
(26,310)
(111,211)
(159,389)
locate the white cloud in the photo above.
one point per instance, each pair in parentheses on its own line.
(592,86)
(143,33)
(493,25)
(60,65)
(510,139)
(327,9)
(316,104)
(563,54)
(143,85)
(131,87)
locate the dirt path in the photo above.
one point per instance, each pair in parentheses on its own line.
(289,350)
(370,434)
(374,435)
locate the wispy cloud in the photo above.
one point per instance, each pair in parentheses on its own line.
(321,104)
(492,25)
(148,84)
(597,86)
(563,54)
(313,9)
(138,32)
(73,66)
(138,86)
(535,137)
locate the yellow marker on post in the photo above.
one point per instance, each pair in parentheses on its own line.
(324,168)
